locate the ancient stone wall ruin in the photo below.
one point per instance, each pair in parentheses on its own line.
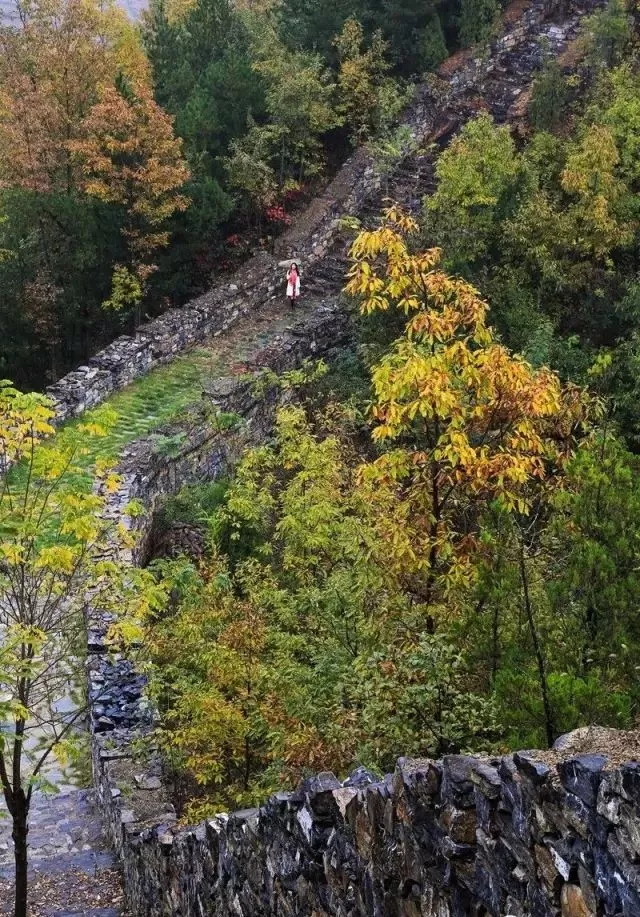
(521,834)
(452,838)
(309,239)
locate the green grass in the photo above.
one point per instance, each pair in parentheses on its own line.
(155,399)
(148,403)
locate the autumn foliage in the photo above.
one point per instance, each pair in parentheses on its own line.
(463,422)
(129,156)
(316,632)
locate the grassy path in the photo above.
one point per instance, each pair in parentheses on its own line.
(163,394)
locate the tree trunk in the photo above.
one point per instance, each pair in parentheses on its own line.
(19,834)
(495,637)
(542,675)
(282,160)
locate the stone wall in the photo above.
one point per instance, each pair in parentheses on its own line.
(309,239)
(452,838)
(522,19)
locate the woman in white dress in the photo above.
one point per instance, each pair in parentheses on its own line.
(293,284)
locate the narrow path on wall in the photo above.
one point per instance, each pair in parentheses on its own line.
(73,871)
(163,394)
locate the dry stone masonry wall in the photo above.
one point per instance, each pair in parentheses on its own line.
(452,838)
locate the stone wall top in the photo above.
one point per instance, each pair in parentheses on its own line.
(514,835)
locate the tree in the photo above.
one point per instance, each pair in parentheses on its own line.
(477,21)
(616,106)
(477,176)
(434,45)
(409,27)
(609,33)
(209,681)
(50,69)
(52,62)
(463,422)
(305,26)
(250,171)
(549,99)
(599,582)
(598,194)
(300,102)
(203,75)
(368,99)
(56,548)
(130,157)
(420,696)
(252,667)
(293,646)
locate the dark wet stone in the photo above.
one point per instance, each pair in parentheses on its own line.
(606,884)
(631,782)
(360,777)
(487,779)
(456,778)
(536,771)
(581,776)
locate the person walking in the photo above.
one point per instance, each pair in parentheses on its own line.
(293,284)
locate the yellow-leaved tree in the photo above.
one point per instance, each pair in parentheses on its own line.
(462,422)
(130,156)
(57,546)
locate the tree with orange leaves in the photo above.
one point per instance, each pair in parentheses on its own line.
(56,57)
(130,157)
(51,67)
(463,422)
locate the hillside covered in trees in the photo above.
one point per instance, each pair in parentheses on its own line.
(438,551)
(208,126)
(435,549)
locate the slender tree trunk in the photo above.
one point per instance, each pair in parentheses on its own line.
(19,834)
(247,762)
(433,551)
(282,159)
(495,636)
(542,675)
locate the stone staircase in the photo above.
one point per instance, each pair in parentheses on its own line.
(413,177)
(73,871)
